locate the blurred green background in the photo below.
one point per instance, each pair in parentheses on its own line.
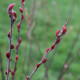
(49,15)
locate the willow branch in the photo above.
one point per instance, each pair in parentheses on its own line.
(43,60)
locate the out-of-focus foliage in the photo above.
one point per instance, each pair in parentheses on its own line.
(46,24)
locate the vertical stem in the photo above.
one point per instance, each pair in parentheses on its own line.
(18,43)
(10,42)
(17,47)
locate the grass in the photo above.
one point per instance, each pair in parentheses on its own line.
(52,25)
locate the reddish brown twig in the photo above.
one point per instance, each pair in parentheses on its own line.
(12,15)
(39,49)
(19,38)
(30,22)
(43,60)
(25,53)
(69,16)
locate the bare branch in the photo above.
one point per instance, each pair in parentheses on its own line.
(43,60)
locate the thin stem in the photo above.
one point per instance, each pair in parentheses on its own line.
(18,43)
(10,42)
(50,48)
(41,62)
(39,49)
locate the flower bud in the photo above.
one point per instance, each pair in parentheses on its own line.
(16,59)
(47,50)
(38,65)
(12,46)
(44,60)
(52,47)
(9,70)
(21,10)
(12,73)
(6,72)
(14,15)
(57,32)
(8,55)
(64,29)
(10,7)
(27,78)
(20,40)
(58,41)
(8,34)
(22,2)
(18,26)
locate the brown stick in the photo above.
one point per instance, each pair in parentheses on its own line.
(45,65)
(17,49)
(69,15)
